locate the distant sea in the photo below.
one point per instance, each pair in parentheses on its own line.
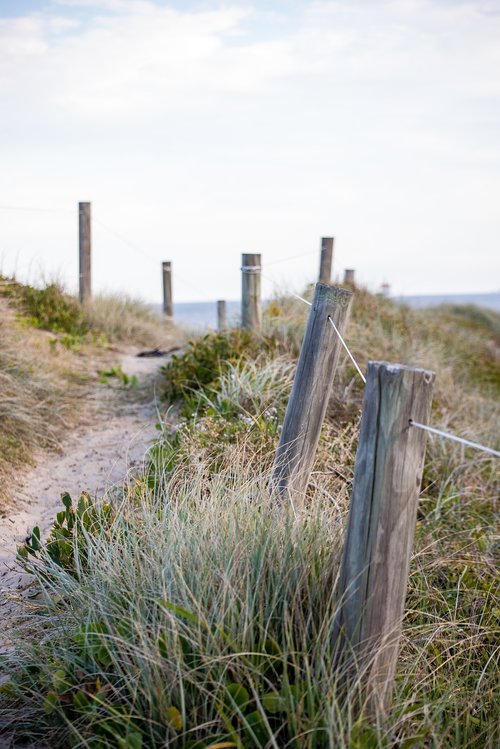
(199,316)
(489,301)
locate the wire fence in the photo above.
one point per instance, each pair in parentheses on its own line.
(417,425)
(255,270)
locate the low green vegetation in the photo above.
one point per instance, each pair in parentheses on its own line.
(195,612)
(196,372)
(48,307)
(111,318)
(117,373)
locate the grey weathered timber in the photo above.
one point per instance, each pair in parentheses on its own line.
(349,274)
(311,390)
(85,251)
(221,315)
(168,306)
(379,540)
(251,311)
(326,260)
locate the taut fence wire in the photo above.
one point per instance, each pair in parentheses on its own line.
(417,425)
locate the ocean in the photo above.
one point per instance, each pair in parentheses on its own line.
(489,301)
(200,316)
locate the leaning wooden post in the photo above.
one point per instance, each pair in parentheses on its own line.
(311,390)
(85,251)
(251,312)
(221,315)
(168,307)
(349,274)
(377,550)
(326,260)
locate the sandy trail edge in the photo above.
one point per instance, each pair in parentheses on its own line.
(94,460)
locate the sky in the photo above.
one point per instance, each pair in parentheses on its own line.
(200,130)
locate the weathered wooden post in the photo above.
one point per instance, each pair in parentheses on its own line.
(221,315)
(251,312)
(311,390)
(168,307)
(85,251)
(379,540)
(349,274)
(326,260)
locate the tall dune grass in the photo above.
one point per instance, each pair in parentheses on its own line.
(203,614)
(127,320)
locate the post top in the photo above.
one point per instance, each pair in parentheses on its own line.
(394,369)
(336,293)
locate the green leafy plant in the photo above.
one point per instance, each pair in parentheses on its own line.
(68,541)
(117,373)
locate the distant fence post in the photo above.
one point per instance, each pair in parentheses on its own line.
(221,315)
(349,275)
(251,312)
(168,307)
(379,538)
(85,251)
(326,260)
(311,390)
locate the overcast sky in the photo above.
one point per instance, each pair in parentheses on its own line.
(201,130)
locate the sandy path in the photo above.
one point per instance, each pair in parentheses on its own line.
(95,458)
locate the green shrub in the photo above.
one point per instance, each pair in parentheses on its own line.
(51,309)
(197,369)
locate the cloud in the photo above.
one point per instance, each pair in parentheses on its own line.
(141,58)
(132,56)
(248,117)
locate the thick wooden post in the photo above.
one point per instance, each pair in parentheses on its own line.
(85,251)
(311,390)
(379,540)
(349,274)
(326,260)
(221,315)
(168,307)
(251,312)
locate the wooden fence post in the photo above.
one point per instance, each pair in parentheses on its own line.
(221,315)
(251,312)
(85,251)
(168,307)
(311,390)
(349,274)
(326,260)
(379,539)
